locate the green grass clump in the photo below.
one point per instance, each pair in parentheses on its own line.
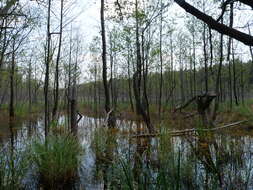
(57,161)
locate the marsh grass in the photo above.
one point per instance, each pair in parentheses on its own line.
(14,165)
(140,171)
(57,161)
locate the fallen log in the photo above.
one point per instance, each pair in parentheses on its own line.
(190,131)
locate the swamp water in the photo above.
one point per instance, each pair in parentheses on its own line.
(112,159)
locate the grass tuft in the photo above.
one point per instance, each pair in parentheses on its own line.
(57,161)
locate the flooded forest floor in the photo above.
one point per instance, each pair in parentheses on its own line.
(104,158)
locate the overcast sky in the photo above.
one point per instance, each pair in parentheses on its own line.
(88,21)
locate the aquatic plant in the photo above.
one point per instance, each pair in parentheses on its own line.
(14,164)
(57,160)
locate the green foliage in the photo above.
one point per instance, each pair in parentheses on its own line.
(244,110)
(57,160)
(22,110)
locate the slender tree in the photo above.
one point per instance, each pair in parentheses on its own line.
(56,90)
(47,63)
(111,120)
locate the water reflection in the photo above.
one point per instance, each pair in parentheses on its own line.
(115,160)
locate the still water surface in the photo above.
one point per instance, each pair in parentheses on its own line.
(113,158)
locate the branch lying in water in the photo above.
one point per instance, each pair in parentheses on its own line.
(189,131)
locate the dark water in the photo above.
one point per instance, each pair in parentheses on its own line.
(113,159)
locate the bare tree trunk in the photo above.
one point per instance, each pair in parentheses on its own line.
(228,57)
(29,85)
(129,78)
(4,45)
(56,90)
(194,63)
(242,83)
(95,88)
(48,59)
(111,120)
(205,59)
(218,79)
(181,75)
(173,78)
(161,63)
(69,82)
(234,76)
(12,72)
(211,48)
(138,75)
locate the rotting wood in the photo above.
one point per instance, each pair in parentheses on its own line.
(190,131)
(107,118)
(203,103)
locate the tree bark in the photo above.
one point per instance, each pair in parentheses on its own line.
(138,76)
(56,90)
(218,79)
(161,62)
(240,36)
(111,120)
(12,73)
(48,59)
(129,77)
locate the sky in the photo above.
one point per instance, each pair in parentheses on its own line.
(89,19)
(87,22)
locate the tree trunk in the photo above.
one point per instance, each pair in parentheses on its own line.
(56,90)
(218,79)
(29,85)
(234,76)
(161,63)
(73,110)
(48,59)
(138,76)
(111,120)
(205,59)
(12,73)
(129,78)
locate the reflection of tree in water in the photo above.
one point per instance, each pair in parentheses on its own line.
(203,153)
(12,140)
(105,153)
(32,125)
(141,159)
(222,159)
(109,155)
(206,161)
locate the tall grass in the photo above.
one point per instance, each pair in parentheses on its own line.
(57,161)
(139,171)
(14,165)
